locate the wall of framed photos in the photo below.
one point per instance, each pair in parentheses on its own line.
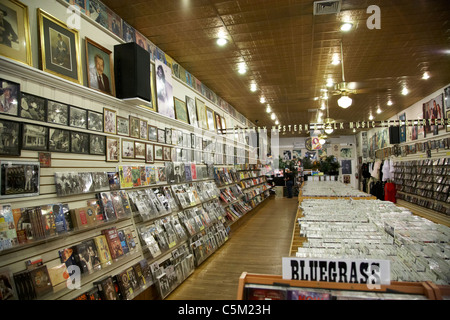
(64,133)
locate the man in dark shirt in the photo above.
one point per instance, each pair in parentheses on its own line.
(289,178)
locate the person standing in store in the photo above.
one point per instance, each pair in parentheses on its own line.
(289,178)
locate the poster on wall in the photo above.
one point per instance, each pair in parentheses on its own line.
(164,90)
(447,98)
(433,109)
(346,166)
(402,117)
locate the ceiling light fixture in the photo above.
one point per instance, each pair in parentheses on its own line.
(405,91)
(242,68)
(322,141)
(330,83)
(346,26)
(262,100)
(390,103)
(335,60)
(268,109)
(329,129)
(221,41)
(344,101)
(253,87)
(371,117)
(378,110)
(426,75)
(273,116)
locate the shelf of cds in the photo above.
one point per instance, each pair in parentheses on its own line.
(424,183)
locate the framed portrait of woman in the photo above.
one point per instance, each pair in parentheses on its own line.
(15,31)
(60,48)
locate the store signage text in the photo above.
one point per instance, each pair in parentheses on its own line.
(359,271)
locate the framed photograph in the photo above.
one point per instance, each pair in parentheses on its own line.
(192,111)
(153,88)
(16,41)
(35,137)
(57,113)
(448,117)
(224,125)
(143,129)
(123,126)
(100,69)
(95,121)
(79,142)
(218,121)
(169,136)
(152,133)
(9,97)
(164,89)
(201,114)
(181,112)
(149,149)
(112,149)
(158,152)
(210,119)
(77,117)
(161,135)
(109,120)
(134,127)
(139,150)
(59,140)
(19,179)
(97,144)
(60,48)
(10,141)
(32,107)
(127,149)
(167,153)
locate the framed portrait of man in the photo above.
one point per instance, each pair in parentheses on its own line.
(15,42)
(60,48)
(10,141)
(9,97)
(100,69)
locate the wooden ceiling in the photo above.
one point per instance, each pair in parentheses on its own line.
(287,50)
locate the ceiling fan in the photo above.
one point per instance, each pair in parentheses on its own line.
(343,88)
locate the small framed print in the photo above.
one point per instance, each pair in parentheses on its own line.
(167,153)
(169,136)
(139,150)
(32,107)
(78,117)
(123,126)
(210,119)
(59,140)
(161,135)
(218,122)
(152,133)
(112,149)
(149,157)
(95,121)
(158,152)
(143,129)
(127,149)
(35,137)
(109,120)
(10,141)
(448,119)
(134,127)
(19,179)
(57,112)
(60,48)
(181,112)
(79,142)
(97,144)
(100,69)
(9,97)
(16,41)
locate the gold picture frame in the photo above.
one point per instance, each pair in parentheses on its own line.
(181,112)
(201,113)
(210,119)
(99,68)
(14,18)
(59,48)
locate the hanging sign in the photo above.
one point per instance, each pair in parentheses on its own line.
(361,271)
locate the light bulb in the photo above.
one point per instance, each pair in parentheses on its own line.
(221,41)
(253,87)
(268,109)
(405,91)
(426,75)
(390,103)
(276,122)
(272,116)
(322,141)
(378,110)
(346,26)
(262,100)
(371,117)
(344,102)
(329,129)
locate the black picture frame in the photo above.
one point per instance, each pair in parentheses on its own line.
(95,121)
(59,140)
(10,138)
(77,117)
(97,144)
(79,142)
(33,107)
(57,112)
(19,179)
(9,97)
(34,137)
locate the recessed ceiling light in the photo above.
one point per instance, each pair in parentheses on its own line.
(346,26)
(390,103)
(262,100)
(405,91)
(330,82)
(221,41)
(371,117)
(253,87)
(426,75)
(277,122)
(273,116)
(378,110)
(268,109)
(242,68)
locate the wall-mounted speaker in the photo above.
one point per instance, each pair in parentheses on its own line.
(132,71)
(394,135)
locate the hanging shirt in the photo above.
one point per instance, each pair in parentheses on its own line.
(390,192)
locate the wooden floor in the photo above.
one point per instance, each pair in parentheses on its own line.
(257,246)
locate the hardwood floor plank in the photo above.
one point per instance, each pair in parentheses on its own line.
(257,246)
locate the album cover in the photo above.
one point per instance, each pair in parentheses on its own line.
(24,285)
(49,220)
(7,291)
(94,210)
(130,240)
(112,238)
(136,176)
(133,278)
(58,274)
(125,202)
(146,271)
(124,285)
(106,289)
(87,256)
(86,182)
(114,182)
(162,174)
(101,181)
(104,254)
(117,204)
(8,234)
(125,177)
(107,206)
(169,166)
(67,256)
(123,241)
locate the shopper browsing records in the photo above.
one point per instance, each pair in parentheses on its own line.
(289,178)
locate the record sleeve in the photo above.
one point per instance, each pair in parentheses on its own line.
(41,281)
(107,206)
(112,238)
(7,289)
(123,241)
(106,288)
(8,234)
(117,204)
(124,285)
(104,254)
(49,220)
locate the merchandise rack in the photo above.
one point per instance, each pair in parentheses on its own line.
(428,289)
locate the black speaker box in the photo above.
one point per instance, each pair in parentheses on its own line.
(394,135)
(132,71)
